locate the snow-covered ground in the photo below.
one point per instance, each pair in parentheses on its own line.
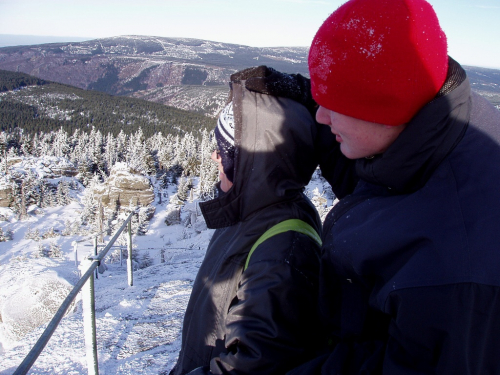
(138,327)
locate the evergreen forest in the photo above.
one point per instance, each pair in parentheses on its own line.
(37,106)
(169,160)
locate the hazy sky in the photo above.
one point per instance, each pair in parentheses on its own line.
(472,26)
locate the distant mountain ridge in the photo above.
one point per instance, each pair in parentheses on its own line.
(190,74)
(7,40)
(486,82)
(154,68)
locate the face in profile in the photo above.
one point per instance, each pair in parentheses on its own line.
(358,138)
(225,184)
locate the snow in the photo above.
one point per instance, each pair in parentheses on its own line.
(138,327)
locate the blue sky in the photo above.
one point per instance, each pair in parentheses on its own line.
(472,26)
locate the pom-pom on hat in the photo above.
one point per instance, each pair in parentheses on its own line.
(378,60)
(224,135)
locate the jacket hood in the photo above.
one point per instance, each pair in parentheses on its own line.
(275,156)
(428,138)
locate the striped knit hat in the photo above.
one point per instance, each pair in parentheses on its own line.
(224,134)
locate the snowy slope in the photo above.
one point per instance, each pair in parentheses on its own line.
(138,327)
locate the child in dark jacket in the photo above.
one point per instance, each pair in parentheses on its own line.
(259,318)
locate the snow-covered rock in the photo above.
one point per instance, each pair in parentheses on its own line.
(125,185)
(5,192)
(46,166)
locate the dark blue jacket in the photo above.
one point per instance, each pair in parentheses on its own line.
(410,278)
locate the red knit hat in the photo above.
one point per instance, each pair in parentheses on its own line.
(378,60)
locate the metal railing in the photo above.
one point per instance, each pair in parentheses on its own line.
(89,319)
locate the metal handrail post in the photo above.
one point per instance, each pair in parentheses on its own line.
(95,254)
(89,326)
(56,319)
(130,270)
(75,246)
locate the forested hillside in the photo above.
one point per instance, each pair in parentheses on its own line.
(35,105)
(12,80)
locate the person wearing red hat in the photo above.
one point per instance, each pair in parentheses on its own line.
(409,280)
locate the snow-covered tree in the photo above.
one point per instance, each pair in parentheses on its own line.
(3,152)
(60,143)
(143,221)
(95,156)
(145,260)
(90,205)
(189,156)
(121,146)
(6,235)
(18,202)
(26,145)
(139,156)
(208,169)
(110,152)
(166,151)
(54,251)
(32,234)
(44,194)
(78,147)
(183,188)
(62,194)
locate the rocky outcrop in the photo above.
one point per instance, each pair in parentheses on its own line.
(53,167)
(47,168)
(5,195)
(123,186)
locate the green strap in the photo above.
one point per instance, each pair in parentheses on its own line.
(285,226)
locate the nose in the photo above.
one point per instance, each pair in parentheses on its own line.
(215,156)
(323,116)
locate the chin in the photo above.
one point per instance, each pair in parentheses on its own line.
(349,154)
